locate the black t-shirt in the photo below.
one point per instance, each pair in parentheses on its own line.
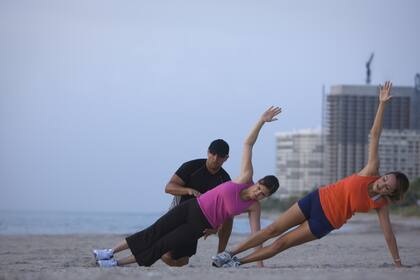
(195,175)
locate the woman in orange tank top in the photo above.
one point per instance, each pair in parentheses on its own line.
(329,207)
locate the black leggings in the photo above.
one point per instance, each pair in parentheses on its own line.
(180,228)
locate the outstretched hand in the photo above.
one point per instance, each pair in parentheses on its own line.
(384,92)
(269,115)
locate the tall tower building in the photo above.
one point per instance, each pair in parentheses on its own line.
(350,111)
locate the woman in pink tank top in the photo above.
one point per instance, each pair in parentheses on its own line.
(190,220)
(329,207)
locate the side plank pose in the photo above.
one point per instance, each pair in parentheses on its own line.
(187,222)
(329,207)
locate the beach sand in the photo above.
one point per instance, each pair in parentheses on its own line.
(359,254)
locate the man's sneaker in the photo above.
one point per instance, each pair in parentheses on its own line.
(220,259)
(234,262)
(107,263)
(104,254)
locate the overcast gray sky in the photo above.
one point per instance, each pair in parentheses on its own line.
(102,100)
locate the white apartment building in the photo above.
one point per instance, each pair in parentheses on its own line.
(399,150)
(299,161)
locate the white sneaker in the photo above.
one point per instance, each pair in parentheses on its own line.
(103,254)
(107,263)
(234,262)
(220,259)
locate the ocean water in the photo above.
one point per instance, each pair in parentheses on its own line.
(46,222)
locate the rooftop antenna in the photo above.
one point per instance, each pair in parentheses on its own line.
(368,68)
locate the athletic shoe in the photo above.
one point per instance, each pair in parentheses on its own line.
(234,262)
(107,263)
(220,259)
(104,254)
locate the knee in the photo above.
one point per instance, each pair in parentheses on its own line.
(279,245)
(183,261)
(271,231)
(173,264)
(180,262)
(168,260)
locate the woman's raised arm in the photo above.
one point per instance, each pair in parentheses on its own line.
(372,165)
(246,164)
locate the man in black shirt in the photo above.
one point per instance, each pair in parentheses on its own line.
(192,179)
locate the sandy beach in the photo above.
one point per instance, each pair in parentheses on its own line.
(358,254)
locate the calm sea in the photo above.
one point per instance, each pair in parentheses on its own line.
(44,222)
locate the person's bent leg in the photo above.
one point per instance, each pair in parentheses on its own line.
(182,261)
(181,236)
(106,254)
(127,260)
(116,262)
(120,247)
(299,235)
(144,239)
(181,254)
(292,217)
(168,260)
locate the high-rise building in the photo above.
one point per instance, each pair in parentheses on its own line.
(399,150)
(349,114)
(299,161)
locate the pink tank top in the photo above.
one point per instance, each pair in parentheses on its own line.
(224,202)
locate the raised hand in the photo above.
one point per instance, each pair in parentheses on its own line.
(384,92)
(269,115)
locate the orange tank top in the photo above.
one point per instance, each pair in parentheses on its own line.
(341,200)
